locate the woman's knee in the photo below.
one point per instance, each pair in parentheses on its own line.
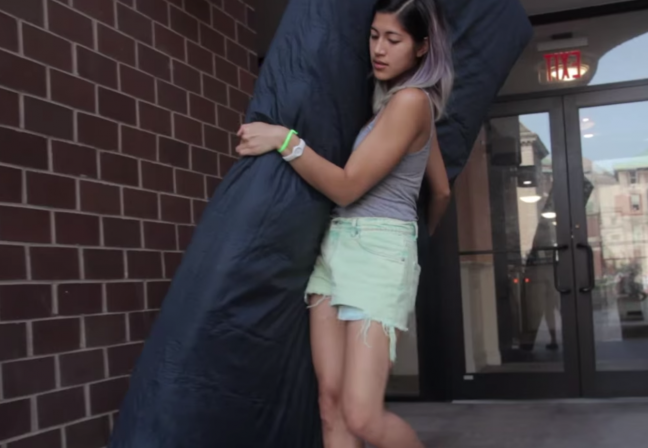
(330,403)
(363,420)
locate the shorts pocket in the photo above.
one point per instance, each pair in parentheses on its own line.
(387,245)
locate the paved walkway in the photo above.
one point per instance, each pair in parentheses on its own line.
(530,425)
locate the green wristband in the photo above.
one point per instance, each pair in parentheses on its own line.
(285,145)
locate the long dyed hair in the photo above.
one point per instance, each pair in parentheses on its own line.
(421,19)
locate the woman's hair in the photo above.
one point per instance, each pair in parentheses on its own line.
(421,19)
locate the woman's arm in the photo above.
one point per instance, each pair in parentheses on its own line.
(439,186)
(397,128)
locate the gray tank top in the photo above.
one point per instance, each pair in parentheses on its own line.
(396,195)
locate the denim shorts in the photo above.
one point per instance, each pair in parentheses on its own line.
(368,267)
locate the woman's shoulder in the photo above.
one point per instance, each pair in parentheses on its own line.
(411,101)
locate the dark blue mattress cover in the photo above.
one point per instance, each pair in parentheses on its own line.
(227,363)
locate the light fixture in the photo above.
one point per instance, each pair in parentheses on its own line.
(549,215)
(588,135)
(585,120)
(527,182)
(532,199)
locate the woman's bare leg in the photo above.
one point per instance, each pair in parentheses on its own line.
(366,372)
(328,346)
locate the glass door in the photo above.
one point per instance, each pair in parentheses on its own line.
(514,232)
(607,144)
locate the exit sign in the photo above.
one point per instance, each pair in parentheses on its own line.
(564,66)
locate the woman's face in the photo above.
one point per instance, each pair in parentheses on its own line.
(393,50)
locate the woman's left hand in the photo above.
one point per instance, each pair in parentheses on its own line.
(260,138)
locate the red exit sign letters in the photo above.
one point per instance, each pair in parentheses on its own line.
(563,66)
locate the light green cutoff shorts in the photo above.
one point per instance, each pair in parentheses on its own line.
(368,267)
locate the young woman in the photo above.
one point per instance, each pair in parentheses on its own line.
(364,284)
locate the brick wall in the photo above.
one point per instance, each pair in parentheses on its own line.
(117,121)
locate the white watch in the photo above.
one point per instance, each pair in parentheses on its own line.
(297,151)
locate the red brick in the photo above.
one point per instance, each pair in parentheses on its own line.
(204,161)
(47,48)
(175,209)
(223,23)
(174,153)
(88,434)
(9,107)
(171,262)
(74,160)
(8,32)
(96,68)
(72,91)
(23,302)
(212,185)
(108,395)
(144,265)
(215,90)
(200,9)
(155,119)
(81,367)
(184,24)
(234,142)
(247,82)
(202,109)
(237,54)
(105,330)
(28,10)
(20,74)
(198,209)
(159,236)
(140,204)
(184,236)
(117,106)
(171,97)
(70,24)
(97,132)
(101,264)
(14,337)
(226,163)
(141,324)
(51,191)
(188,130)
(169,42)
(80,298)
(251,16)
(238,100)
(200,58)
(100,198)
(135,25)
(226,71)
(24,224)
(186,77)
(156,292)
(123,297)
(49,119)
(138,143)
(119,169)
(212,40)
(28,377)
(137,84)
(57,408)
(56,336)
(12,263)
(51,439)
(254,64)
(14,415)
(102,10)
(157,177)
(121,232)
(122,359)
(11,188)
(74,228)
(129,2)
(157,10)
(246,37)
(116,45)
(153,62)
(228,119)
(54,263)
(217,139)
(190,184)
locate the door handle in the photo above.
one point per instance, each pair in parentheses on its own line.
(590,267)
(557,250)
